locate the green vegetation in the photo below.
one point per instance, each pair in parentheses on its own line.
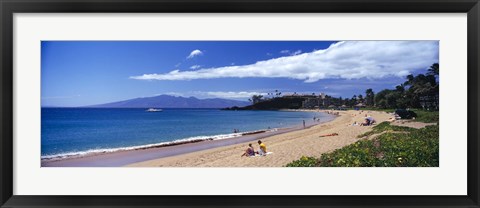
(427,116)
(422,115)
(395,147)
(273,104)
(304,162)
(385,127)
(419,92)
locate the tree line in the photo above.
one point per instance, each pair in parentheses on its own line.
(420,91)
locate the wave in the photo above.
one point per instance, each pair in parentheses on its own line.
(148,146)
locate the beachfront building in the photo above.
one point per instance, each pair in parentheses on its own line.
(429,102)
(311,103)
(360,105)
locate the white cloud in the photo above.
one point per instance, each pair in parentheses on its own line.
(285,51)
(195,53)
(241,95)
(195,67)
(296,52)
(342,60)
(177,94)
(233,95)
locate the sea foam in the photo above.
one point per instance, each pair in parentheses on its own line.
(148,146)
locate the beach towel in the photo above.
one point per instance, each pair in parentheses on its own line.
(262,155)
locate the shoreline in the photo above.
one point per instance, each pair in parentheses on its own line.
(285,147)
(142,153)
(189,140)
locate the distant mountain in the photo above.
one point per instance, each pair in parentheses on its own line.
(168,101)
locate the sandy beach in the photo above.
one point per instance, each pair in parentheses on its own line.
(284,147)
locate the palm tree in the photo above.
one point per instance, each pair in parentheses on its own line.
(256,98)
(434,69)
(409,81)
(400,88)
(360,98)
(369,97)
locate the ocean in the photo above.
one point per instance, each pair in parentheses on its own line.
(77,131)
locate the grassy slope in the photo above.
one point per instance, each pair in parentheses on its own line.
(394,147)
(422,115)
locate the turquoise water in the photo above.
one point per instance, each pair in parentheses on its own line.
(73,131)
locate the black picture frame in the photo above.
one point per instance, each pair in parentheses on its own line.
(9,7)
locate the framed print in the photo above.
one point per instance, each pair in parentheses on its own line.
(264,104)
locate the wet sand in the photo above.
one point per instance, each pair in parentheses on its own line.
(286,147)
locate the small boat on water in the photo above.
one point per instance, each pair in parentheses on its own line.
(154,110)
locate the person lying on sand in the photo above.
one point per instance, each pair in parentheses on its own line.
(263,149)
(249,151)
(332,134)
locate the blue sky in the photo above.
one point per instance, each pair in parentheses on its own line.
(80,73)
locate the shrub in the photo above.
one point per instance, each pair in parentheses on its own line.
(304,162)
(409,148)
(427,116)
(385,126)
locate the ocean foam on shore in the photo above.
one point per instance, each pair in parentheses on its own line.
(148,146)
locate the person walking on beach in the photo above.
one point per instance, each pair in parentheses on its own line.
(263,149)
(303,123)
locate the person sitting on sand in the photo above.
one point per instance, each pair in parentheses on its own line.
(249,152)
(372,121)
(366,122)
(263,149)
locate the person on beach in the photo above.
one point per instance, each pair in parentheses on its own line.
(303,123)
(366,122)
(249,151)
(263,149)
(372,121)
